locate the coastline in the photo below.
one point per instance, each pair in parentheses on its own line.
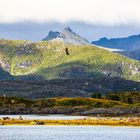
(87,122)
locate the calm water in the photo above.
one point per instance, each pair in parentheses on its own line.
(44,117)
(68,133)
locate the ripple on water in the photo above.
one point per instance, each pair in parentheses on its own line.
(69,133)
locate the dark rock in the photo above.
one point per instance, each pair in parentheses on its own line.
(39,123)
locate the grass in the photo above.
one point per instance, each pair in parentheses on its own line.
(88,121)
(49,60)
(61,102)
(91,102)
(80,104)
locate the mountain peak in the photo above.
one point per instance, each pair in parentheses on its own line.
(68,29)
(51,35)
(103,39)
(68,36)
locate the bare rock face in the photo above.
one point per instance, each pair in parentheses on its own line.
(68,36)
(112,111)
(51,35)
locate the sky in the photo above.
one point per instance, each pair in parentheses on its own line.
(92,19)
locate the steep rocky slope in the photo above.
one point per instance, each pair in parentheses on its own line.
(67,36)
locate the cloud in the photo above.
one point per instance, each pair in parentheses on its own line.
(104,12)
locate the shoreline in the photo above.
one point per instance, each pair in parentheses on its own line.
(86,122)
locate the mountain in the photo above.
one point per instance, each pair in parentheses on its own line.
(52,35)
(5,75)
(50,60)
(132,54)
(127,43)
(110,49)
(67,36)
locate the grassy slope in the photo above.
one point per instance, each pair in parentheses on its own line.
(61,102)
(48,59)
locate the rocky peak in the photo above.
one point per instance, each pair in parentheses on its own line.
(51,35)
(68,36)
(67,29)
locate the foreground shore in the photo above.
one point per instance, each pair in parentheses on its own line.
(88,121)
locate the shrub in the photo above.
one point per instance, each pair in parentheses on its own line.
(113,97)
(96,95)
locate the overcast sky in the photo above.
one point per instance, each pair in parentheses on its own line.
(32,19)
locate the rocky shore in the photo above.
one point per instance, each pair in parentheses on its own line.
(112,111)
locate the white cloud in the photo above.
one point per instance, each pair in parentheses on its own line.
(106,12)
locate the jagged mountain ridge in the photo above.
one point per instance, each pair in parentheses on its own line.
(67,36)
(130,43)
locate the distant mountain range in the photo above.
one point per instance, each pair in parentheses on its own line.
(132,54)
(127,46)
(67,36)
(130,43)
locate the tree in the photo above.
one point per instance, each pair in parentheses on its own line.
(113,97)
(96,95)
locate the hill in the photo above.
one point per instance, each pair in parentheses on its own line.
(66,87)
(49,60)
(127,43)
(81,106)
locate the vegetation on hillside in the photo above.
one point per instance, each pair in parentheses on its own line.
(81,106)
(63,102)
(66,87)
(50,61)
(125,97)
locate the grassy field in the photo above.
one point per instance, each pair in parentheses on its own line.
(89,121)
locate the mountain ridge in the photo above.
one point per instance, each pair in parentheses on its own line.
(129,43)
(132,54)
(67,35)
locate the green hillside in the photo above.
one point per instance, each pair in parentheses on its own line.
(74,106)
(50,61)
